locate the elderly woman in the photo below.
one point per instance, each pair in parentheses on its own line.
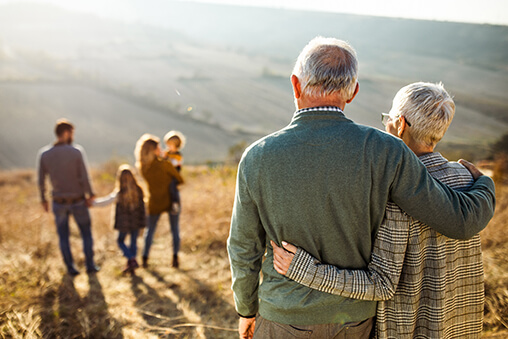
(158,174)
(428,285)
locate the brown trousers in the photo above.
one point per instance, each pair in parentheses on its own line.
(266,329)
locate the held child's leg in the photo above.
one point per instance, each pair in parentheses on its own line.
(175,197)
(173,191)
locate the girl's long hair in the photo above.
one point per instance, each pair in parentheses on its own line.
(145,150)
(129,192)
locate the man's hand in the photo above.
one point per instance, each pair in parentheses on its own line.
(89,201)
(475,172)
(282,257)
(246,327)
(45,206)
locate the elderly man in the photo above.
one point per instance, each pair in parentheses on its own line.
(65,165)
(434,284)
(323,169)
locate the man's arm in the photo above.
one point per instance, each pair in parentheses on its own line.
(378,282)
(41,181)
(457,215)
(84,176)
(246,247)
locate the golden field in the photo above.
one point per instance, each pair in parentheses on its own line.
(37,298)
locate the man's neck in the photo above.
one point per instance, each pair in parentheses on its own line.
(61,141)
(308,102)
(420,149)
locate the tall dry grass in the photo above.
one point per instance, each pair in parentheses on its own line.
(495,255)
(37,298)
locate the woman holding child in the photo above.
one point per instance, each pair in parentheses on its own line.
(158,174)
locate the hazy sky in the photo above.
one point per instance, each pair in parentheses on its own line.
(484,11)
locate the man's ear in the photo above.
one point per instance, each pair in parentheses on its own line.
(357,89)
(295,82)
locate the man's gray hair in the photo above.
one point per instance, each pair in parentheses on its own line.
(326,66)
(428,108)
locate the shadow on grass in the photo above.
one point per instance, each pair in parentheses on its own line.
(65,314)
(104,325)
(159,312)
(201,299)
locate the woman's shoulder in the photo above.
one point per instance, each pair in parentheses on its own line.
(156,164)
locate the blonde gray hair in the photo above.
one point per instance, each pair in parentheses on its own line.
(428,108)
(327,66)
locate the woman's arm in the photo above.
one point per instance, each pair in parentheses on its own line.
(377,282)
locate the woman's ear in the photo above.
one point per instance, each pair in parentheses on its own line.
(402,125)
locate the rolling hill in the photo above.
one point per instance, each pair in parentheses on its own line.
(220,74)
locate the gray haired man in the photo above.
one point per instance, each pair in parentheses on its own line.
(324,169)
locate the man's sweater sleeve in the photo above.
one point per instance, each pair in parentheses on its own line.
(84,174)
(246,247)
(41,176)
(457,215)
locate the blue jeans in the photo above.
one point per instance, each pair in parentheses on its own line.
(174,193)
(150,231)
(82,217)
(128,252)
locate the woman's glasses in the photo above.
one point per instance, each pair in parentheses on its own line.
(386,118)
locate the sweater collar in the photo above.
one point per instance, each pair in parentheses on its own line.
(309,111)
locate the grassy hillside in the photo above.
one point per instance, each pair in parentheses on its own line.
(37,298)
(220,77)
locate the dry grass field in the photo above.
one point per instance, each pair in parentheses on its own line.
(37,298)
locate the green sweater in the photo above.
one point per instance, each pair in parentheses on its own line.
(322,183)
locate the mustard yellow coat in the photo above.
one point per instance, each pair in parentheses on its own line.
(158,176)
